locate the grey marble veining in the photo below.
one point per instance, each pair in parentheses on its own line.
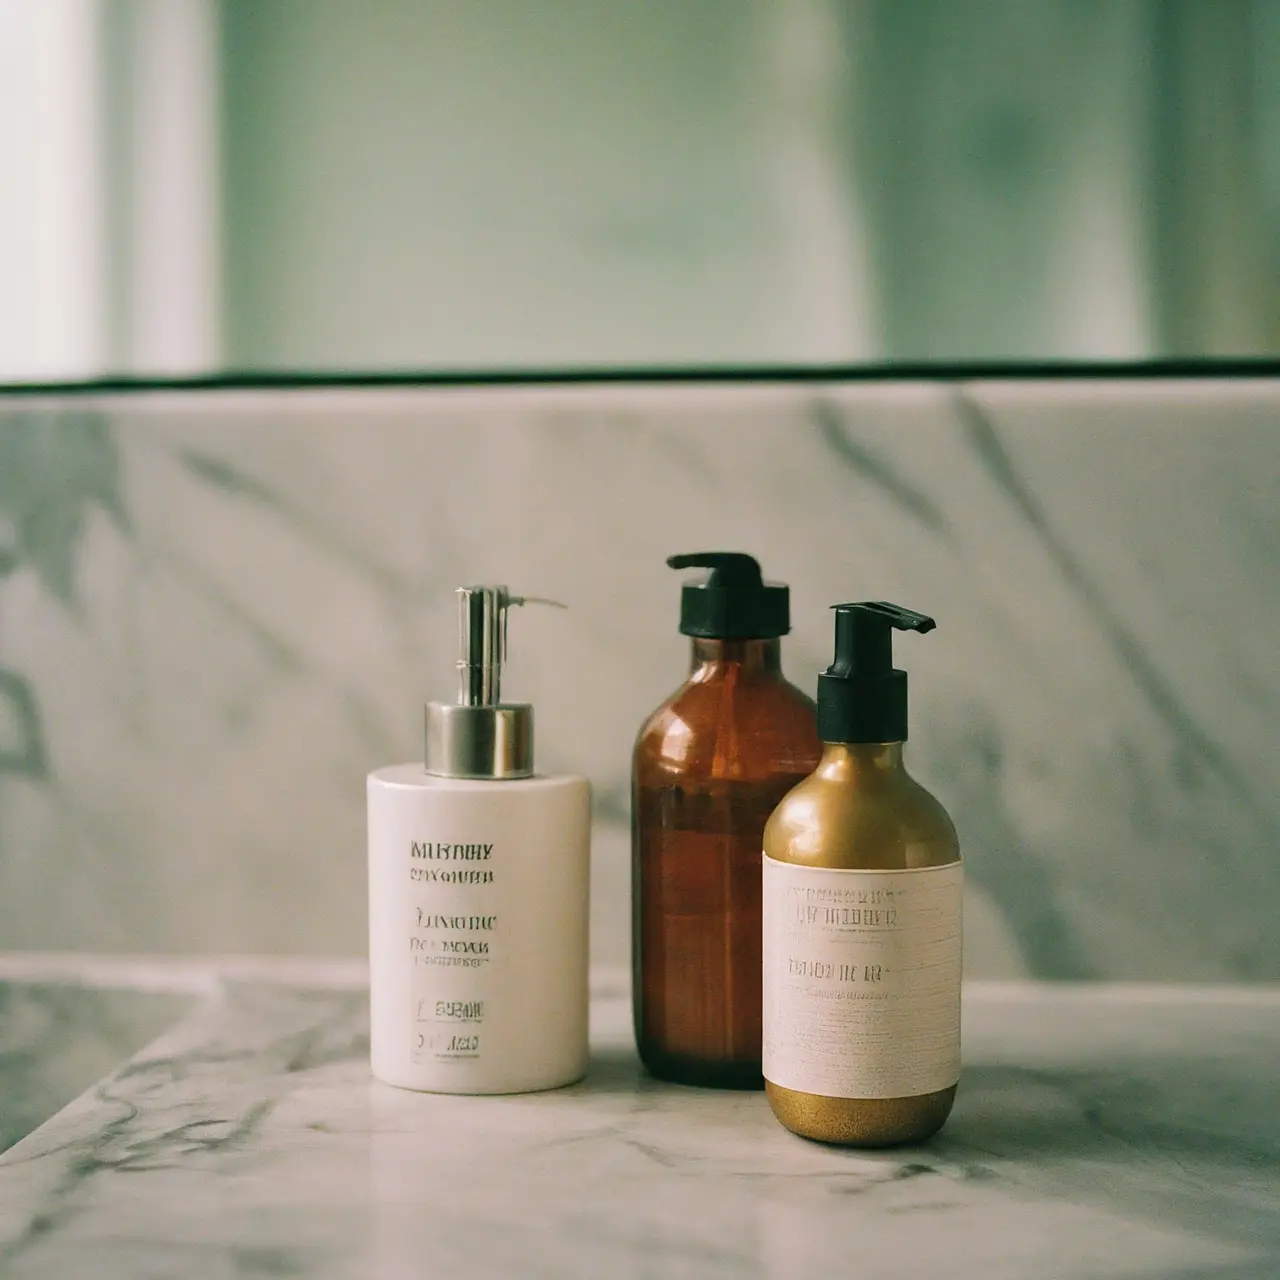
(1101,1131)
(218,612)
(58,1038)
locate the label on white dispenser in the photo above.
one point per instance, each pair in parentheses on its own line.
(862,980)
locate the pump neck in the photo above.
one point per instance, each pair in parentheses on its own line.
(859,761)
(710,658)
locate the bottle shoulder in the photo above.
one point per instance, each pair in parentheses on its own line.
(756,729)
(772,686)
(824,823)
(413,777)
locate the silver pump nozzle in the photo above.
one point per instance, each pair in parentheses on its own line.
(479,736)
(482,641)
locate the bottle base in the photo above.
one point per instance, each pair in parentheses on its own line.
(702,1073)
(502,1089)
(459,1084)
(861,1122)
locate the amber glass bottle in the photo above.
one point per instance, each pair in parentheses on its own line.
(710,765)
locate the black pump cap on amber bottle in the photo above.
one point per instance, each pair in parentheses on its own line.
(862,697)
(733,602)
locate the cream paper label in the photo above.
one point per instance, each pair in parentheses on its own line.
(862,980)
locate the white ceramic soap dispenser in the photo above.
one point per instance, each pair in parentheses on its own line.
(478,892)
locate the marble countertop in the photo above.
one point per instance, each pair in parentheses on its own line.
(1101,1131)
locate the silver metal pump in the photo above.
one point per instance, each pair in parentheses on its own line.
(479,736)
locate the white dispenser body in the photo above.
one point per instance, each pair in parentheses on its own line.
(478,931)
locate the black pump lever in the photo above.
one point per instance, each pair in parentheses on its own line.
(864,644)
(903,619)
(728,568)
(732,602)
(861,696)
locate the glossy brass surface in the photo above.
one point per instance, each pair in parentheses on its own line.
(861,810)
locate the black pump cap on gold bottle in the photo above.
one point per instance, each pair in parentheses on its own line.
(862,697)
(733,602)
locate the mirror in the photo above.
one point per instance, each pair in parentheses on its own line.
(319,186)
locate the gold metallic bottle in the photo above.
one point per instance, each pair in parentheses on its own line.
(861,910)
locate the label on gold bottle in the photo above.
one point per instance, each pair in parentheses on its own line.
(862,980)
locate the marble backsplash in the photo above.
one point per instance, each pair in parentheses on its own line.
(219,610)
